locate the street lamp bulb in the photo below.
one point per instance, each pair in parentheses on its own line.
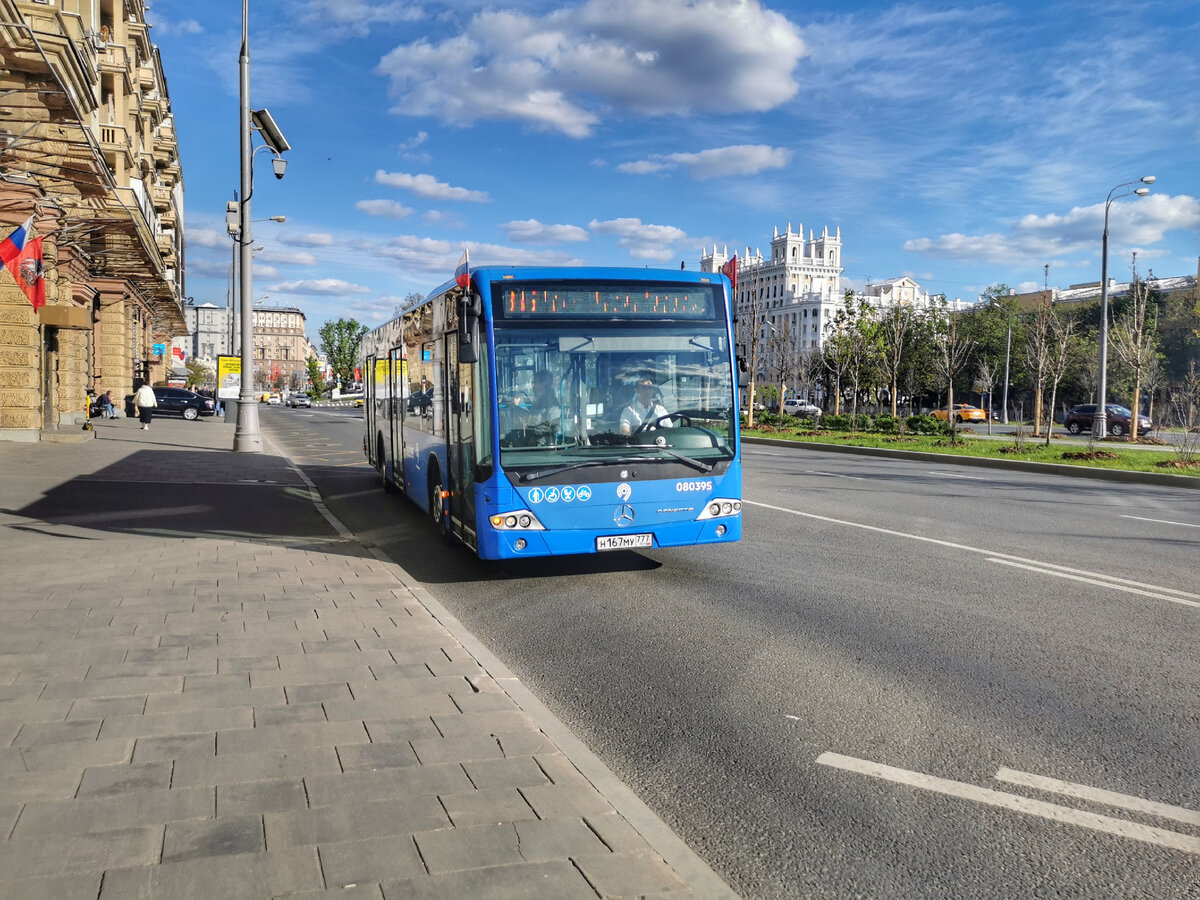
(1142,192)
(277,219)
(1148,179)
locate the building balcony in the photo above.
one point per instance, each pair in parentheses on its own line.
(116,145)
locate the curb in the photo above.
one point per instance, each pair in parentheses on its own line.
(1187,482)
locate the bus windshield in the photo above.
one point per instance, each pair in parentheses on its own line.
(573,394)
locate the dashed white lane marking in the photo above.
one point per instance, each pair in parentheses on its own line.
(957,475)
(1020,561)
(1162,521)
(1108,824)
(1099,795)
(1116,584)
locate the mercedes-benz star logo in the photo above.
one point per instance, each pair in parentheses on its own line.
(623,515)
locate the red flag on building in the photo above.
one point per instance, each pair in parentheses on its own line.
(27,271)
(730,269)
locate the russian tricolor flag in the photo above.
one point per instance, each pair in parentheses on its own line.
(462,274)
(11,246)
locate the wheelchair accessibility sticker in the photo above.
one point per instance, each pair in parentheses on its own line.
(567,493)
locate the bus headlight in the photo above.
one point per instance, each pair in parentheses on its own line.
(718,508)
(517,520)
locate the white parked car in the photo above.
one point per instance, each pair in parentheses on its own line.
(801,409)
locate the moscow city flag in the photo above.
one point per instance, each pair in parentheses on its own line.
(27,271)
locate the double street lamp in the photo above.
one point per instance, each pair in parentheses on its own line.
(1100,420)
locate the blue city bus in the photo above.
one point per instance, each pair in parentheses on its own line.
(545,411)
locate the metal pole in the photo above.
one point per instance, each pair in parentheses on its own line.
(1100,420)
(246,437)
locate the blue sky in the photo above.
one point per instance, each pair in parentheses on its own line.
(964,145)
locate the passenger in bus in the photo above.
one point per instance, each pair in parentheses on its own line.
(644,410)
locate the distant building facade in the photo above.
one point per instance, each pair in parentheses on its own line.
(281,349)
(798,288)
(210,332)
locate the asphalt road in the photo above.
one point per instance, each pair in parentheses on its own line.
(907,680)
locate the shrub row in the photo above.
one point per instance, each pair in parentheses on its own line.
(880,424)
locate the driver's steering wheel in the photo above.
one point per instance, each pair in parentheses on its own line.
(653,424)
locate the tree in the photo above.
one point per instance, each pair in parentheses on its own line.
(339,343)
(198,374)
(952,351)
(749,337)
(1038,341)
(1058,356)
(316,379)
(896,327)
(1134,337)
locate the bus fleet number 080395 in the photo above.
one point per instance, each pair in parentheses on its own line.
(686,486)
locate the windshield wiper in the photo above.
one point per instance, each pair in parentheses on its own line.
(697,464)
(545,473)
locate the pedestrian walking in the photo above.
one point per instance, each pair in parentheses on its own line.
(145,401)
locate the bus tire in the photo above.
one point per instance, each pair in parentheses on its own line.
(437,504)
(389,487)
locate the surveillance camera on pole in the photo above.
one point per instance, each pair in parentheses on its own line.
(279,164)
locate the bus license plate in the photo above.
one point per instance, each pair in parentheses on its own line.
(624,541)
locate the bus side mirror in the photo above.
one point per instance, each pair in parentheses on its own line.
(741,364)
(470,310)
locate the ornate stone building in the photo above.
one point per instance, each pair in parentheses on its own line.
(797,289)
(88,148)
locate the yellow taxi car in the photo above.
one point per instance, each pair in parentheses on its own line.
(963,412)
(358,401)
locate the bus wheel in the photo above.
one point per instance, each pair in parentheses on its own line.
(437,504)
(389,486)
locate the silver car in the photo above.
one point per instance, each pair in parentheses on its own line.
(299,400)
(801,409)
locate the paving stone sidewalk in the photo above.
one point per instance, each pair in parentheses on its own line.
(206,691)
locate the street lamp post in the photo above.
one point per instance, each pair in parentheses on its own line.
(246,437)
(1100,420)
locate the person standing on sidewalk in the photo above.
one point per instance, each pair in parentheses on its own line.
(145,401)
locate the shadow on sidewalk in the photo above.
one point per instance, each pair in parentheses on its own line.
(183,494)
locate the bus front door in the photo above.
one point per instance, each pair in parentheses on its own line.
(461,445)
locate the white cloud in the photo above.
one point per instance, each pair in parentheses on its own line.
(430,187)
(440,257)
(319,286)
(207,237)
(561,71)
(287,257)
(1132,225)
(531,231)
(390,209)
(641,240)
(356,16)
(168,27)
(313,239)
(740,159)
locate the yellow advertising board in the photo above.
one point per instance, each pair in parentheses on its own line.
(229,377)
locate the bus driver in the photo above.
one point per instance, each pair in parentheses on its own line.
(644,410)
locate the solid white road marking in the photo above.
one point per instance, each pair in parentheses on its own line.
(1101,580)
(956,475)
(1052,811)
(1162,521)
(834,475)
(967,548)
(1099,795)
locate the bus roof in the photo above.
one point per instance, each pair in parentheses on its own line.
(580,273)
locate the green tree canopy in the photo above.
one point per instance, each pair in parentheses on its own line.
(339,343)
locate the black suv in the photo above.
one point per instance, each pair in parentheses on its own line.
(1079,418)
(188,404)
